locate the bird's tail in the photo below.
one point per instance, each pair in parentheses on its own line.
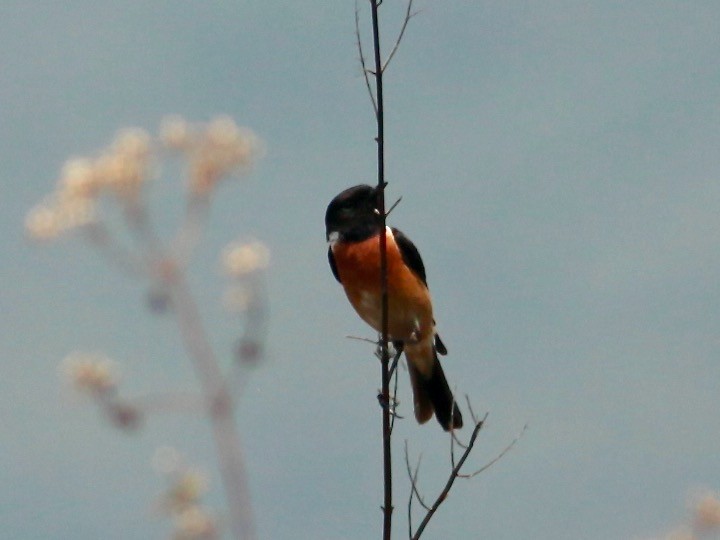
(431,392)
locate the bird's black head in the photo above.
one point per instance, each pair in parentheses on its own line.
(352,215)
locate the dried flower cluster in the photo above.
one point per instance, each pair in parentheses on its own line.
(116,178)
(707,512)
(182,500)
(242,259)
(213,151)
(120,170)
(217,150)
(704,521)
(90,373)
(95,375)
(244,263)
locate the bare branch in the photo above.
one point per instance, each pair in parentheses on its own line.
(358,338)
(393,373)
(472,413)
(391,405)
(451,480)
(394,364)
(413,478)
(453,436)
(361,53)
(475,419)
(454,439)
(409,14)
(385,357)
(496,458)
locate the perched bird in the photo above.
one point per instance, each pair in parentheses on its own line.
(353,229)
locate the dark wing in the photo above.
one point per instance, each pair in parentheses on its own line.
(411,257)
(333,266)
(410,254)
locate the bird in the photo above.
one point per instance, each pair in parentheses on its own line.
(353,227)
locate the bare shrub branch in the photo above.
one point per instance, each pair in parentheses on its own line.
(361,54)
(449,483)
(409,14)
(496,458)
(389,369)
(455,473)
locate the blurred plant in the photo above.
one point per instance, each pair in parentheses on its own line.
(703,523)
(87,190)
(182,500)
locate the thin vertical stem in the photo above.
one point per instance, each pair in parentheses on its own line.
(385,356)
(220,405)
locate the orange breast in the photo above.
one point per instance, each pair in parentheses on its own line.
(409,304)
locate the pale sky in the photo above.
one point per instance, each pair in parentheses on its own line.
(558,163)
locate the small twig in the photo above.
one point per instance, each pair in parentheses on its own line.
(457,441)
(453,434)
(408,15)
(394,364)
(395,390)
(391,405)
(451,480)
(409,516)
(472,413)
(453,440)
(358,338)
(413,478)
(456,467)
(393,206)
(496,458)
(362,60)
